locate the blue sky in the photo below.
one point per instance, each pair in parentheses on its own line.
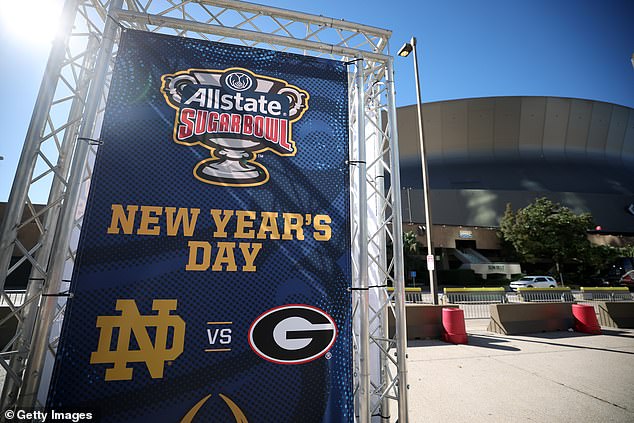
(467,48)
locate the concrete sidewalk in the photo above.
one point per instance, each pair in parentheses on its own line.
(545,377)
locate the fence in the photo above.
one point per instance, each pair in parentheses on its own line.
(16,297)
(475,301)
(592,296)
(545,295)
(605,294)
(414,295)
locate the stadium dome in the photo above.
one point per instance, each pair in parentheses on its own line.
(483,153)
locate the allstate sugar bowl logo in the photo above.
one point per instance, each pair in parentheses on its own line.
(236,114)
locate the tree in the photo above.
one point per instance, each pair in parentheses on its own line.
(547,230)
(410,243)
(626,251)
(411,248)
(597,259)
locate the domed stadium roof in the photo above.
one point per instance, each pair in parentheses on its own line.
(485,152)
(522,127)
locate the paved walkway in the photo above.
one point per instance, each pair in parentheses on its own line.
(545,377)
(548,377)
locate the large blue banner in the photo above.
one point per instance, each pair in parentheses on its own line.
(213,272)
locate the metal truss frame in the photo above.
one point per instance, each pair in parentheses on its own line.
(62,141)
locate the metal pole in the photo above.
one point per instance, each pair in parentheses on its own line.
(377,257)
(28,157)
(399,276)
(409,205)
(423,159)
(362,288)
(22,181)
(32,313)
(32,377)
(34,287)
(232,32)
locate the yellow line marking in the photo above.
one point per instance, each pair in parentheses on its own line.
(613,288)
(492,289)
(218,350)
(219,323)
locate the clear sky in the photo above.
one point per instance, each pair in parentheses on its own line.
(467,48)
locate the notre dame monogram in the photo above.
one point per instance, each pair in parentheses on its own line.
(154,355)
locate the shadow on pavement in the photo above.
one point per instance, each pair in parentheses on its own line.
(616,332)
(491,342)
(559,334)
(550,335)
(424,343)
(482,341)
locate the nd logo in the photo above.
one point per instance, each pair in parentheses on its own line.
(154,355)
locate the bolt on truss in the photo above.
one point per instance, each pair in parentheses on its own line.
(62,141)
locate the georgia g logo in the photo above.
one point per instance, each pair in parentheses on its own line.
(292,334)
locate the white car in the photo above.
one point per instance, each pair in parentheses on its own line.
(534,282)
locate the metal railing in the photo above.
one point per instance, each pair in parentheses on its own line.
(605,294)
(532,295)
(592,296)
(475,301)
(16,297)
(414,295)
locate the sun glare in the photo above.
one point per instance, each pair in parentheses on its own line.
(33,22)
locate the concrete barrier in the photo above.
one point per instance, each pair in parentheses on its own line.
(518,318)
(616,314)
(453,323)
(586,319)
(424,321)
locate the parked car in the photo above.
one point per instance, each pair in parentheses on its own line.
(627,279)
(534,282)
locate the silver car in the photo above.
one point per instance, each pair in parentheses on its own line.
(534,282)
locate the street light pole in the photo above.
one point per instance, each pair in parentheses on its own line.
(409,205)
(404,52)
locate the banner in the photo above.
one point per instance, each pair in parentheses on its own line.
(212,278)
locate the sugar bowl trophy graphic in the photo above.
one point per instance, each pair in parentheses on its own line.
(236,114)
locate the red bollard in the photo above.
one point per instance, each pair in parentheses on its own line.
(586,319)
(453,325)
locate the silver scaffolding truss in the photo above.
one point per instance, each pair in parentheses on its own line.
(62,140)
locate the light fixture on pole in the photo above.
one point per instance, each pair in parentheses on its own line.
(404,52)
(407,48)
